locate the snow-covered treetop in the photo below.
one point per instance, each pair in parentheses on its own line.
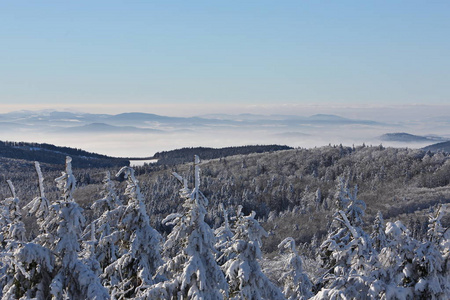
(40,179)
(11,188)
(132,190)
(297,285)
(40,204)
(435,229)
(248,227)
(396,231)
(66,182)
(110,199)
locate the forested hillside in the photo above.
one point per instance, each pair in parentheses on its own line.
(327,223)
(300,185)
(52,154)
(185,155)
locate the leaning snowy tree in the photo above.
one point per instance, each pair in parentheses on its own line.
(191,269)
(73,278)
(244,275)
(139,245)
(40,204)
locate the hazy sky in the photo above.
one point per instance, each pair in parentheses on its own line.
(173,57)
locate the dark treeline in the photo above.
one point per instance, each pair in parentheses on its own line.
(184,155)
(52,154)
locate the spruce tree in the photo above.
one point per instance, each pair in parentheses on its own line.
(73,278)
(139,245)
(191,268)
(244,275)
(297,285)
(378,236)
(108,210)
(346,253)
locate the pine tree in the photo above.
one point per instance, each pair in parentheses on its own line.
(73,278)
(139,249)
(297,285)
(13,229)
(346,253)
(397,260)
(433,281)
(224,237)
(31,263)
(12,238)
(245,277)
(108,209)
(39,206)
(378,236)
(191,269)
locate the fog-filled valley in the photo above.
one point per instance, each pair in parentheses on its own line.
(143,134)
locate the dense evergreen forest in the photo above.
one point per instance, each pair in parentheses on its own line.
(326,223)
(51,154)
(184,155)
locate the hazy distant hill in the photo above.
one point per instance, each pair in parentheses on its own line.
(443,147)
(106,128)
(50,121)
(408,138)
(324,119)
(141,118)
(47,153)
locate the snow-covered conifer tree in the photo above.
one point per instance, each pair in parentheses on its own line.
(30,263)
(39,205)
(108,209)
(378,236)
(346,252)
(397,261)
(245,277)
(73,278)
(224,237)
(110,200)
(12,238)
(435,230)
(342,191)
(297,285)
(13,229)
(430,265)
(132,273)
(191,268)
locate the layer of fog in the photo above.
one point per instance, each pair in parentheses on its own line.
(147,144)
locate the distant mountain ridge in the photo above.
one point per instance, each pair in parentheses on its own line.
(106,128)
(56,119)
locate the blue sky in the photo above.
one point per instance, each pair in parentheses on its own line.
(169,56)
